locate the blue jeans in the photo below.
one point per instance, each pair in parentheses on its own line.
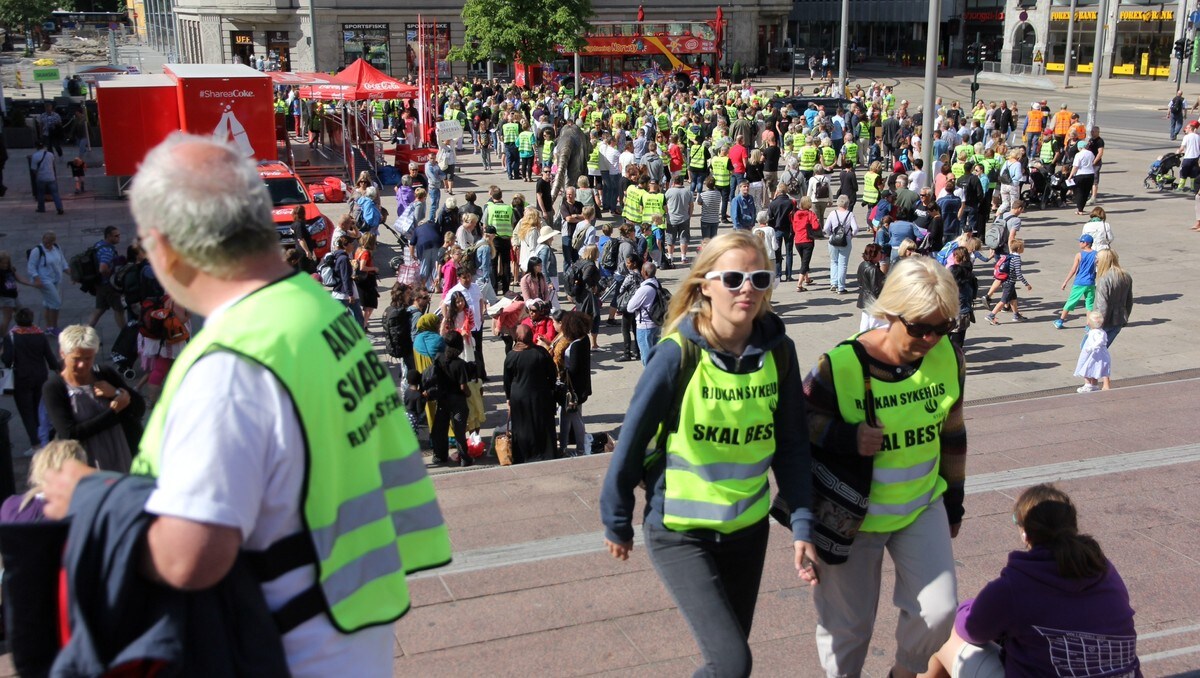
(1176,126)
(514,163)
(612,183)
(435,198)
(646,339)
(48,186)
(839,258)
(715,583)
(698,177)
(1111,332)
(733,183)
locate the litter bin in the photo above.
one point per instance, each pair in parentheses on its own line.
(8,484)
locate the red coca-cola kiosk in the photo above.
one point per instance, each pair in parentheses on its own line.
(232,103)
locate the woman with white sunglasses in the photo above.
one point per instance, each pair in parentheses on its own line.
(702,430)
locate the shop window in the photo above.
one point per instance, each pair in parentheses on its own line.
(241,46)
(369,42)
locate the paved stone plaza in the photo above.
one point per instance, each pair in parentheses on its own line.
(530,592)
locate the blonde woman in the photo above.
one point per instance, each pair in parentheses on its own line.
(525,236)
(1114,296)
(905,493)
(707,495)
(27,508)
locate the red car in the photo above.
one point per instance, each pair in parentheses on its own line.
(287,191)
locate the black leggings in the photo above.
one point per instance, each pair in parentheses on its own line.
(1083,190)
(452,412)
(627,326)
(805,250)
(502,264)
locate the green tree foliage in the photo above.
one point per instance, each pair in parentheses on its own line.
(29,13)
(528,30)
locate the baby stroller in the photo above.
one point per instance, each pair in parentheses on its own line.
(1033,192)
(1162,172)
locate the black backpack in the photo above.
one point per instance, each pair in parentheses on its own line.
(397,328)
(662,302)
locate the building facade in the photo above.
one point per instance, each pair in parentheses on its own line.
(326,35)
(1139,37)
(891,31)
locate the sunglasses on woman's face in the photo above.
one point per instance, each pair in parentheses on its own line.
(922,330)
(733,280)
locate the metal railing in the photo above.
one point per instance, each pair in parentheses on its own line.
(1013,69)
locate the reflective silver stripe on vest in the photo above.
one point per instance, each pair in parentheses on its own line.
(416,518)
(901,509)
(404,471)
(719,471)
(352,514)
(703,510)
(901,475)
(344,581)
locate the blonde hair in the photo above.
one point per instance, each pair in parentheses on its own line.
(470,218)
(1095,319)
(805,202)
(1107,261)
(532,221)
(906,248)
(689,299)
(76,337)
(968,242)
(51,458)
(590,252)
(1018,246)
(917,288)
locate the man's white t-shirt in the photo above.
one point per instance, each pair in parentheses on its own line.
(1191,146)
(233,455)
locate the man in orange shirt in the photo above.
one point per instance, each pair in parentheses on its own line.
(1033,129)
(1062,124)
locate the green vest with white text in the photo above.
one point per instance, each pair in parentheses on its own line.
(368,505)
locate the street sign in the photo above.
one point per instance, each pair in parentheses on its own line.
(46,75)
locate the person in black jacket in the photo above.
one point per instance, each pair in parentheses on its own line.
(27,351)
(92,404)
(972,208)
(577,370)
(397,326)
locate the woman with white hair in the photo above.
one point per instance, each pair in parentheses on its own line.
(93,404)
(885,413)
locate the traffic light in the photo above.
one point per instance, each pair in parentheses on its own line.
(973,53)
(1187,49)
(1180,46)
(983,53)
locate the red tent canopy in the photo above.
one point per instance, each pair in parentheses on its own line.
(367,82)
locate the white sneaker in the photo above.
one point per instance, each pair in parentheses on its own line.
(1088,388)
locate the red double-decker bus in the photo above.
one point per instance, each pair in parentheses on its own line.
(629,53)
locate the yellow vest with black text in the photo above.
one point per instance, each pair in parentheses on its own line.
(718,457)
(500,217)
(632,211)
(850,150)
(509,132)
(696,157)
(367,503)
(905,479)
(722,171)
(652,204)
(808,158)
(828,156)
(870,191)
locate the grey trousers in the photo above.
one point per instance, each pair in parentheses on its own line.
(926,592)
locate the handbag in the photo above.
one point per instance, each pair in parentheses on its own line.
(6,379)
(502,443)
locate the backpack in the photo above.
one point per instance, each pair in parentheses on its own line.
(1005,177)
(996,234)
(84,269)
(158,321)
(431,383)
(658,307)
(327,271)
(840,237)
(993,173)
(396,321)
(1000,271)
(1177,106)
(356,213)
(578,237)
(41,252)
(821,190)
(943,255)
(610,255)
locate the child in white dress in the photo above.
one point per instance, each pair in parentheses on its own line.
(1094,361)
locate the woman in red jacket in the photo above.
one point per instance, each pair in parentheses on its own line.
(804,226)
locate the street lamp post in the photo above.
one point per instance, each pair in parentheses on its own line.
(844,50)
(931,51)
(1097,56)
(1070,47)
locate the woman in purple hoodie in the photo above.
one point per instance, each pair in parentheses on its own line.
(1058,608)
